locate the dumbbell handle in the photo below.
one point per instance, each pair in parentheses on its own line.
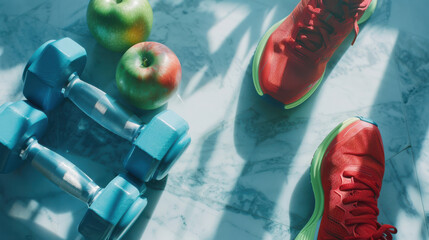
(102,108)
(61,171)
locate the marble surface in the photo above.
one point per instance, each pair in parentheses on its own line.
(246,173)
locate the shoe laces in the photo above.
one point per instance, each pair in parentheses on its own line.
(314,31)
(352,9)
(363,195)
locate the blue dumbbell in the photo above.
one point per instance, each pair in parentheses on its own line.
(111,211)
(52,74)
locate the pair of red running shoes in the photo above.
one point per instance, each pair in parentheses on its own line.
(348,167)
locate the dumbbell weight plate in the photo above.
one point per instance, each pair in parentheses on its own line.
(171,157)
(129,218)
(33,57)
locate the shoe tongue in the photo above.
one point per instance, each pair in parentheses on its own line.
(334,6)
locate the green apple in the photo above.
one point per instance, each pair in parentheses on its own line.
(119,24)
(148,74)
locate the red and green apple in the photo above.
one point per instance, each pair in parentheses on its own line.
(148,74)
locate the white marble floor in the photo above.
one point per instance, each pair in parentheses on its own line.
(246,173)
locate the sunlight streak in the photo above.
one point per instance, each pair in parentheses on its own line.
(23,211)
(268,20)
(243,46)
(32,211)
(12,87)
(194,81)
(226,25)
(180,98)
(369,59)
(406,219)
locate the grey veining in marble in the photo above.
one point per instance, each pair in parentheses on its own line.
(246,173)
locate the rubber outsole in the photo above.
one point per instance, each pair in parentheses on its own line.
(261,46)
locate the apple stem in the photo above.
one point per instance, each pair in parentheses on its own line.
(146,62)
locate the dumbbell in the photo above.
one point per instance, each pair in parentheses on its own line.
(52,74)
(111,211)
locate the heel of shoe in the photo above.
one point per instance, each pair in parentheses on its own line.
(367,120)
(368,12)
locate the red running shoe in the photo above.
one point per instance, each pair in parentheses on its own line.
(290,60)
(346,175)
